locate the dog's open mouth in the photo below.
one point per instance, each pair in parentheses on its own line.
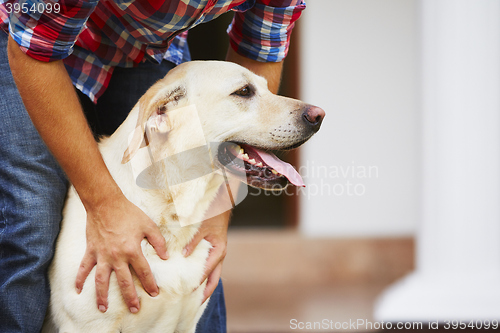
(263,169)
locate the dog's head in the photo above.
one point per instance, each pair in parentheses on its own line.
(230,110)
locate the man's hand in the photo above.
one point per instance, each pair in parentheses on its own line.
(115,230)
(214,230)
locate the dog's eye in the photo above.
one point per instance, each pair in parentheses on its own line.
(246,91)
(162,109)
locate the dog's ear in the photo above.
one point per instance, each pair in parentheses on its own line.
(137,139)
(152,114)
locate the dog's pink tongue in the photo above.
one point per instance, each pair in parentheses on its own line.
(282,167)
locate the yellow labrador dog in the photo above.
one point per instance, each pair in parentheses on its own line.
(156,156)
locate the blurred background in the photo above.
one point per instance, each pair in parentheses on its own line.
(344,248)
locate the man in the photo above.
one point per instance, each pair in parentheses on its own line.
(111,51)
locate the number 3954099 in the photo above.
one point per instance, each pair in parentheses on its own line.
(37,7)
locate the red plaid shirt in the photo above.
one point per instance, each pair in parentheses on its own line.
(94,36)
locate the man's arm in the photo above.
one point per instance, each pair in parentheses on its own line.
(215,229)
(115,227)
(269,70)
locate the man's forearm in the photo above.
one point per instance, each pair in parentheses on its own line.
(270,70)
(54,108)
(115,227)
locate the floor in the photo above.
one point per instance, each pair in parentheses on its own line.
(281,308)
(288,308)
(278,280)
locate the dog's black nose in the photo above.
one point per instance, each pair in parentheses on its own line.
(313,116)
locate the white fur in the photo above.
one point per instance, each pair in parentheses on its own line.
(223,117)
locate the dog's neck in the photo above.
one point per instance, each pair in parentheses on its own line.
(163,205)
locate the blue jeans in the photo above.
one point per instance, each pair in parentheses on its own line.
(32,192)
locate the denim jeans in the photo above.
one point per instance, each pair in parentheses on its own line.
(32,192)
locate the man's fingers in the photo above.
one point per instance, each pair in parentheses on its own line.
(212,282)
(156,239)
(192,244)
(127,287)
(145,275)
(102,274)
(215,257)
(88,262)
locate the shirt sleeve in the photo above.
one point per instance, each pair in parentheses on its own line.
(263,31)
(47,30)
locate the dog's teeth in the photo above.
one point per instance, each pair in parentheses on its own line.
(252,161)
(274,171)
(235,150)
(242,151)
(259,164)
(245,157)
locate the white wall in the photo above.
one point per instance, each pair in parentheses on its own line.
(359,62)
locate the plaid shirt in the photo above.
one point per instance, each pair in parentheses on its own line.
(94,36)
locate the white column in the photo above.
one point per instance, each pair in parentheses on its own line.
(457,272)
